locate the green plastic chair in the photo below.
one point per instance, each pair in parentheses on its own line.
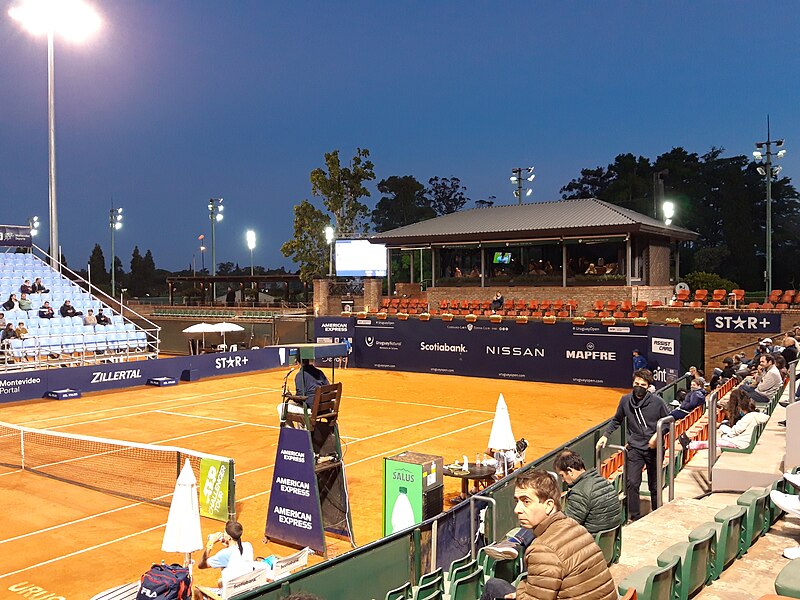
(404,592)
(435,594)
(728,528)
(757,520)
(610,542)
(750,447)
(434,577)
(458,566)
(774,513)
(460,572)
(486,563)
(697,566)
(787,583)
(653,583)
(469,587)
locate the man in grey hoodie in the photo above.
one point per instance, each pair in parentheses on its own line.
(641,411)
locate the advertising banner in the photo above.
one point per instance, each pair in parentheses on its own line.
(214,490)
(12,235)
(333,330)
(559,353)
(402,495)
(743,322)
(294,514)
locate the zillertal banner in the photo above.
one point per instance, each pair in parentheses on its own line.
(214,478)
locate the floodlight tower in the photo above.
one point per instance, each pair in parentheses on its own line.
(329,237)
(75,20)
(518,175)
(215,214)
(764,153)
(114,223)
(33,223)
(250,237)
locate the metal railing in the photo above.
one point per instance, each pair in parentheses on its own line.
(473,534)
(660,458)
(792,367)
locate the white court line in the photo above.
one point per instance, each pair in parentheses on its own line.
(383,454)
(157,402)
(191,416)
(82,551)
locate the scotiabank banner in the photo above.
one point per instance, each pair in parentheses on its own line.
(559,353)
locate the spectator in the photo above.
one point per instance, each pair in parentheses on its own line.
(639,361)
(306,382)
(641,410)
(591,270)
(46,312)
(695,373)
(2,319)
(38,286)
(26,288)
(12,303)
(696,397)
(789,349)
(25,303)
(8,334)
(767,382)
(101,318)
(562,561)
(497,302)
(764,347)
(457,273)
(67,310)
(741,434)
(90,319)
(722,375)
(21,330)
(232,555)
(230,297)
(475,272)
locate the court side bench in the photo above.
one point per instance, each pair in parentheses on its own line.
(121,592)
(736,471)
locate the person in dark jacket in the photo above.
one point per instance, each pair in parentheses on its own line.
(696,397)
(46,311)
(721,375)
(789,351)
(639,361)
(591,500)
(640,410)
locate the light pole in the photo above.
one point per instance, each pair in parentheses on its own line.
(329,238)
(33,223)
(72,19)
(250,236)
(114,223)
(768,172)
(668,208)
(201,237)
(520,174)
(215,214)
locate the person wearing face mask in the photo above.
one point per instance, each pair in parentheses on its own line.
(640,410)
(562,561)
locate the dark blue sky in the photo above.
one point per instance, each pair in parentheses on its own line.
(176,102)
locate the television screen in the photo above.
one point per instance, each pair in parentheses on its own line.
(502,258)
(360,258)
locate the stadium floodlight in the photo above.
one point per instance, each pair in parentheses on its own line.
(768,172)
(520,175)
(74,20)
(250,236)
(33,222)
(668,209)
(114,224)
(329,237)
(215,215)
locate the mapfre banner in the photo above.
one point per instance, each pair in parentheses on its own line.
(559,353)
(13,235)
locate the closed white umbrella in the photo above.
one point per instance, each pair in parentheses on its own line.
(183,533)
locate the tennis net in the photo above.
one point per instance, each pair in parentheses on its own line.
(140,472)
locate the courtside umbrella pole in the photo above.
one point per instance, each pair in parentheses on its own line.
(183,533)
(224,328)
(203,328)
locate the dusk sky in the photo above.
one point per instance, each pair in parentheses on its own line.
(174,102)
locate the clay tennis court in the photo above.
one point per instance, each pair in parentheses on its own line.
(63,540)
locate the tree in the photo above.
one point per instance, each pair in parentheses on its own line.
(119,273)
(136,283)
(97,266)
(308,246)
(148,272)
(446,195)
(340,189)
(405,204)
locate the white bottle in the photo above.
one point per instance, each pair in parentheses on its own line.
(402,513)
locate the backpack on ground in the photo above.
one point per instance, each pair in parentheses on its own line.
(166,582)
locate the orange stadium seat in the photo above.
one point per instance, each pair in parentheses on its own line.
(562,313)
(782,306)
(632,314)
(590,314)
(695,304)
(738,294)
(767,305)
(678,303)
(655,303)
(641,305)
(682,295)
(714,304)
(753,305)
(701,295)
(719,295)
(618,314)
(626,305)
(599,305)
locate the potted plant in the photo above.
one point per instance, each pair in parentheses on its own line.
(362,314)
(608,321)
(673,321)
(579,320)
(381,316)
(447,316)
(640,321)
(522,319)
(549,320)
(426,316)
(471,318)
(402,316)
(495,318)
(699,323)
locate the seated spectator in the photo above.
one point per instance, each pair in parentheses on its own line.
(231,555)
(722,375)
(306,382)
(2,319)
(457,273)
(563,558)
(475,272)
(548,268)
(768,381)
(696,397)
(38,286)
(46,312)
(25,302)
(101,318)
(8,334)
(67,310)
(12,303)
(26,288)
(497,301)
(591,269)
(22,331)
(90,319)
(741,434)
(789,351)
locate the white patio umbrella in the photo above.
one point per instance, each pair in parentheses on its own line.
(183,533)
(203,328)
(226,327)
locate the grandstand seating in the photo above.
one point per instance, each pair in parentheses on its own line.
(61,340)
